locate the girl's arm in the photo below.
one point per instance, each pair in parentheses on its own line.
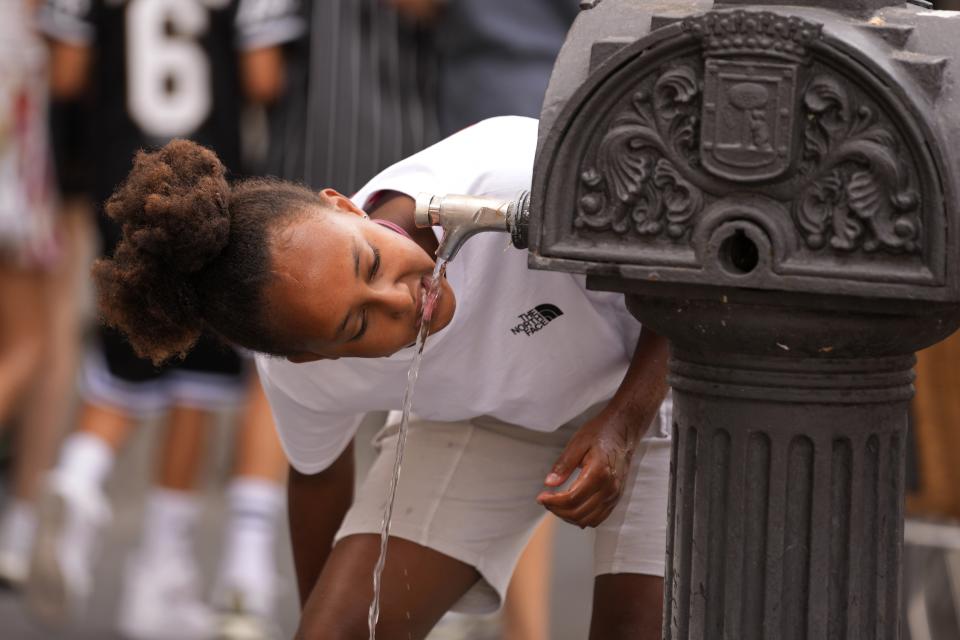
(603,447)
(316,505)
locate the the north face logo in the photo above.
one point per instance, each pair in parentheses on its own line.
(536,319)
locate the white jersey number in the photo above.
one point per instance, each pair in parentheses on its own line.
(168,73)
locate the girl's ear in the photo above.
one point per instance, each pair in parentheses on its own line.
(341,202)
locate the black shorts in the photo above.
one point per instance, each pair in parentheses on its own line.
(212,377)
(71,142)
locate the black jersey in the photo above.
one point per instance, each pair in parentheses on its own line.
(165,69)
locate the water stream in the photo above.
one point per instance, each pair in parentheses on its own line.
(430,296)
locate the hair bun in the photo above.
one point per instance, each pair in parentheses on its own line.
(174,206)
(174,213)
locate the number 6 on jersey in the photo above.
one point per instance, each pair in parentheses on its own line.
(168,73)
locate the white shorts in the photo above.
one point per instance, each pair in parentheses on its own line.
(468,490)
(203,390)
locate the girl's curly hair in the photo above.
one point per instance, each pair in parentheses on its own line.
(194,254)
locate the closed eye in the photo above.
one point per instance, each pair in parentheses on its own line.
(374,269)
(375,266)
(363,327)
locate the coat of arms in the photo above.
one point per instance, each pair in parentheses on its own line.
(751,78)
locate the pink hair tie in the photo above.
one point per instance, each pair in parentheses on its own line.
(393,227)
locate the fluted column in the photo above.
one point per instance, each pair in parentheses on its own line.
(786,512)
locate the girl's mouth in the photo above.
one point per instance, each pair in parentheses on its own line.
(423,312)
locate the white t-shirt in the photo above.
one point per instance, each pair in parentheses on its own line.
(532,348)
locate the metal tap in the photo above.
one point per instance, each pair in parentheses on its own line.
(464,216)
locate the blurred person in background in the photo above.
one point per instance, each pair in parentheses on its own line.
(361,96)
(35,278)
(494,58)
(153,70)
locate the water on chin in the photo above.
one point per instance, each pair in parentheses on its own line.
(431,295)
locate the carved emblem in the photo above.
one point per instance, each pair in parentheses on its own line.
(748,119)
(752,63)
(754,104)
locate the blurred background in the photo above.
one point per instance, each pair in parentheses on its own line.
(139,502)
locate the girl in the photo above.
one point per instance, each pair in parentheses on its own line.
(527,377)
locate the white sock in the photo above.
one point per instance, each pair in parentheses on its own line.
(168,523)
(17,528)
(248,557)
(86,458)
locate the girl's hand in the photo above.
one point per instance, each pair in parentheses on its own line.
(602,450)
(603,447)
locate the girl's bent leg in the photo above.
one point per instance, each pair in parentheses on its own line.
(627,606)
(419,586)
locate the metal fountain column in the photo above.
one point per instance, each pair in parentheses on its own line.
(774,188)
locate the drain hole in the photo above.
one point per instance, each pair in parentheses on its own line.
(739,254)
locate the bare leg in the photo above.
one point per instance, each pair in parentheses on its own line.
(259,454)
(627,606)
(22,329)
(24,320)
(526,612)
(419,585)
(113,426)
(48,404)
(181,457)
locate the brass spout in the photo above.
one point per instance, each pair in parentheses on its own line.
(464,216)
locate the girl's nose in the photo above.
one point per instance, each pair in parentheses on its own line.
(396,299)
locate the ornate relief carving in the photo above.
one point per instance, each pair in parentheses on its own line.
(858,193)
(634,184)
(752,105)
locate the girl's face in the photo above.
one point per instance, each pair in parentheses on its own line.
(347,287)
